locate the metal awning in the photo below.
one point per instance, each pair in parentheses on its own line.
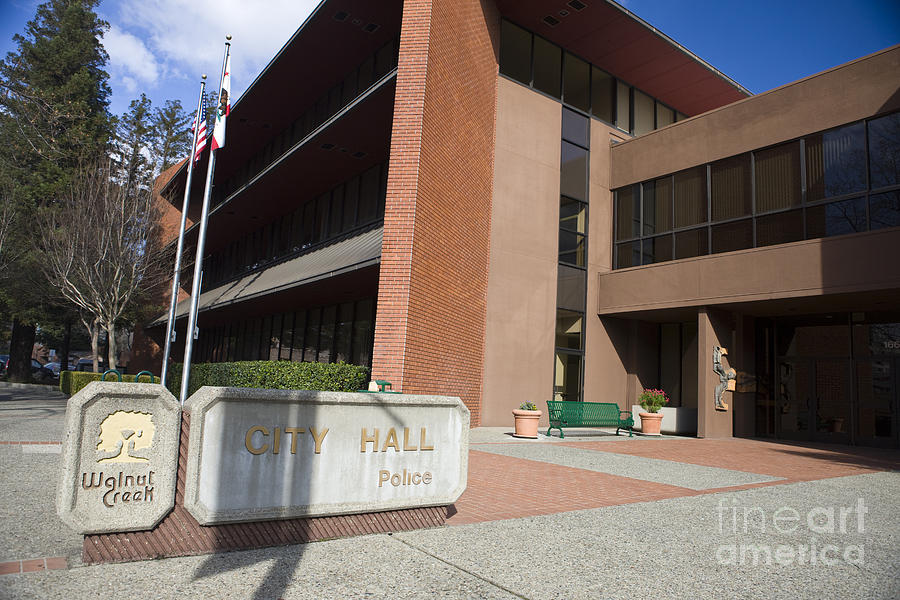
(342,257)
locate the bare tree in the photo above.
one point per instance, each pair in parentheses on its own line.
(96,245)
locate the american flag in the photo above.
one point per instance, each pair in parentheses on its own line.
(201,135)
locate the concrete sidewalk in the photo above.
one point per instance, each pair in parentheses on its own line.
(590,516)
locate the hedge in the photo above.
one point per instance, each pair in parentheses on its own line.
(71,382)
(273,375)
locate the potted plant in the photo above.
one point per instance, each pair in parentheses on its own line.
(651,401)
(526,417)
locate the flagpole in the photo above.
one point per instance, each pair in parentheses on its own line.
(176,278)
(201,242)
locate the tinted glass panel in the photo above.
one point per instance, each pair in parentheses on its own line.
(628,212)
(603,90)
(299,332)
(576,82)
(691,243)
(690,197)
(836,162)
(311,342)
(515,52)
(628,255)
(573,171)
(567,377)
(778,177)
(657,206)
(326,337)
(664,115)
(287,337)
(884,151)
(644,111)
(547,67)
(570,288)
(368,195)
(730,188)
(571,248)
(732,236)
(569,329)
(351,202)
(572,214)
(343,332)
(575,127)
(779,228)
(362,334)
(884,210)
(837,218)
(623,106)
(657,249)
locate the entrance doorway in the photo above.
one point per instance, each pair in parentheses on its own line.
(830,379)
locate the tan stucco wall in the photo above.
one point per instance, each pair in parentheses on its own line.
(521,297)
(714,328)
(817,267)
(850,92)
(606,352)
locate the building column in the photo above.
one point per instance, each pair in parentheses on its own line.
(714,328)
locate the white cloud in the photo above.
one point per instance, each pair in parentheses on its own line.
(188,36)
(130,61)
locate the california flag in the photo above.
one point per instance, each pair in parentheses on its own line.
(224,107)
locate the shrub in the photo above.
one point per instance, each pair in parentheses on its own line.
(72,382)
(273,375)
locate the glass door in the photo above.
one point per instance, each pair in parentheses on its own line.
(877,402)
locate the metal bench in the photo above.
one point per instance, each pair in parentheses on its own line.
(564,413)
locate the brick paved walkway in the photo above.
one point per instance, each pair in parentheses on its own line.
(503,487)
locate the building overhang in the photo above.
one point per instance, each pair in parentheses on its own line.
(846,272)
(342,257)
(615,39)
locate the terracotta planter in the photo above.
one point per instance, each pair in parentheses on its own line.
(650,423)
(526,423)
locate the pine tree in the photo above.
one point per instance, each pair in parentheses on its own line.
(171,137)
(53,118)
(134,139)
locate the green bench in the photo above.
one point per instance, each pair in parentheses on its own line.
(565,413)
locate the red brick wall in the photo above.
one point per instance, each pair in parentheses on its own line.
(429,335)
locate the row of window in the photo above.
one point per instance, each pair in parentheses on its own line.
(376,66)
(571,279)
(839,181)
(354,204)
(530,59)
(333,333)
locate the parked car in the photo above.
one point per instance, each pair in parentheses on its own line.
(39,372)
(87,364)
(54,367)
(4,359)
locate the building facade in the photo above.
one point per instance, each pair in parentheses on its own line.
(513,201)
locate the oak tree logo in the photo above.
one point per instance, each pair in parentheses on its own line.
(124,436)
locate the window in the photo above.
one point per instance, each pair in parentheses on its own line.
(836,162)
(657,249)
(690,197)
(575,128)
(730,188)
(547,67)
(603,89)
(576,82)
(573,171)
(664,115)
(569,329)
(628,212)
(644,113)
(515,52)
(884,151)
(570,288)
(623,106)
(779,228)
(837,218)
(778,177)
(884,210)
(693,242)
(657,206)
(736,235)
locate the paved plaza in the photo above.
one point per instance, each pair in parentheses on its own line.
(590,516)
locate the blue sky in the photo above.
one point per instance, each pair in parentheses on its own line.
(161,47)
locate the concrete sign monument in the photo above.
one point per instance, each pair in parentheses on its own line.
(276,454)
(119,458)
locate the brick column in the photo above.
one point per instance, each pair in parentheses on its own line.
(430,324)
